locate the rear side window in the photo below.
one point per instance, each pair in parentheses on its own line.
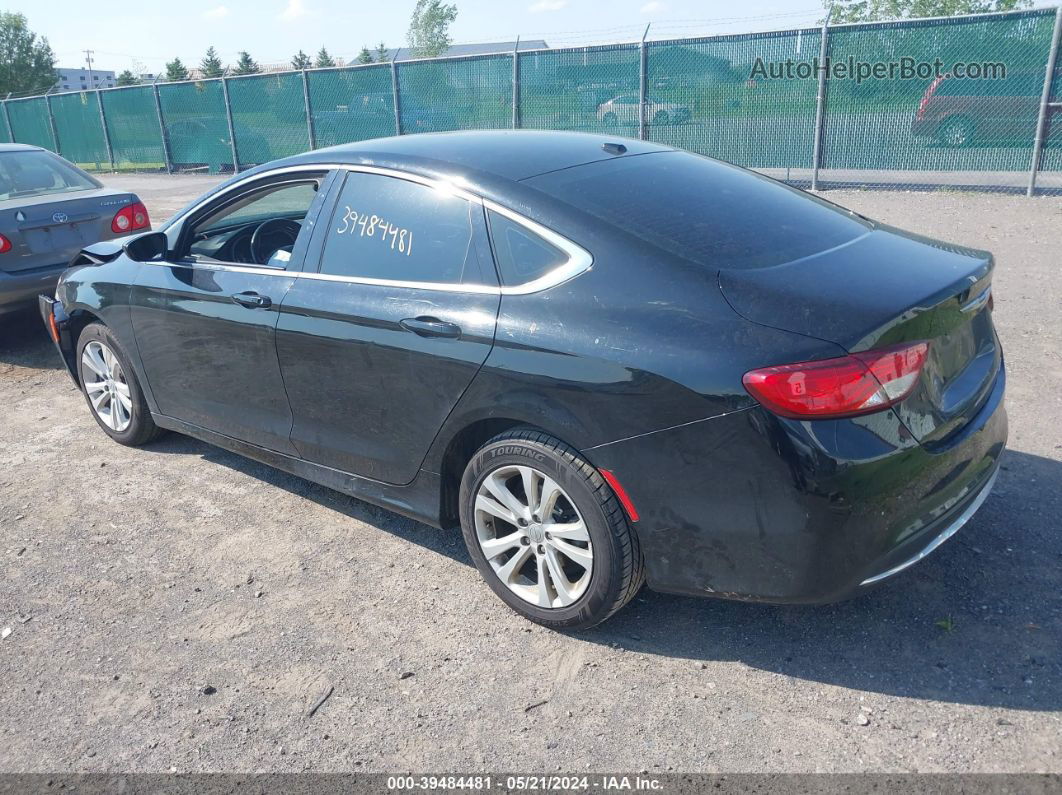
(394,229)
(522,256)
(703,210)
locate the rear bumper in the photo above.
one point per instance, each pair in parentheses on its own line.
(925,127)
(20,290)
(754,507)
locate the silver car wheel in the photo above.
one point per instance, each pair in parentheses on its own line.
(108,393)
(533,536)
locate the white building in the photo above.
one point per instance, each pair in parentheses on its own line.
(80,79)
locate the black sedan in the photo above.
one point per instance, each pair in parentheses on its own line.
(608,361)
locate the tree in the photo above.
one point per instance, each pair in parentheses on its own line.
(365,56)
(245,64)
(874,10)
(382,53)
(211,65)
(301,61)
(127,78)
(429,29)
(27,63)
(175,71)
(324,60)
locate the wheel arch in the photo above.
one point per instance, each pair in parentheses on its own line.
(458,451)
(79,317)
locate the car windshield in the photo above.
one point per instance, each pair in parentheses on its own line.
(709,212)
(34,173)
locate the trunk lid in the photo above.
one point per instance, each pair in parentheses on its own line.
(47,231)
(884,288)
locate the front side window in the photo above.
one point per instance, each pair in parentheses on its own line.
(397,230)
(259,227)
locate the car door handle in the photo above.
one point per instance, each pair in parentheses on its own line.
(431,327)
(253,300)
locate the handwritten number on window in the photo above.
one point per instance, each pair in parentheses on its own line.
(399,238)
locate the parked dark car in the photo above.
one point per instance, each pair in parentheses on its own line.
(203,144)
(49,209)
(957,112)
(373,114)
(605,359)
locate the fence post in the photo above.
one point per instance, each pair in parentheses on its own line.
(1045,103)
(106,133)
(643,86)
(228,120)
(51,122)
(516,84)
(310,132)
(820,102)
(7,119)
(395,100)
(162,127)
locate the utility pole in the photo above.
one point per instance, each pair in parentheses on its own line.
(88,60)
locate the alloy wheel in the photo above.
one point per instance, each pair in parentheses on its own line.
(109,392)
(533,536)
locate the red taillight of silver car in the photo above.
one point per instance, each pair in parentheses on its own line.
(848,386)
(130,219)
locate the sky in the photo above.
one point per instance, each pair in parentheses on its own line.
(142,36)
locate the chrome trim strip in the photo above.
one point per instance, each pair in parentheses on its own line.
(948,532)
(579,259)
(977,302)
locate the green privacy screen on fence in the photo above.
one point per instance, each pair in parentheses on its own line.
(29,122)
(457,94)
(752,99)
(268,117)
(565,89)
(133,126)
(196,126)
(702,96)
(351,104)
(978,125)
(79,128)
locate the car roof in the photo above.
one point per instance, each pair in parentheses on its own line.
(17,147)
(508,155)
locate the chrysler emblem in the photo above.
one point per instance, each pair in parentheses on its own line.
(60,218)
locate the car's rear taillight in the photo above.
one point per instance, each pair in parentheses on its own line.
(130,219)
(5,245)
(928,96)
(851,385)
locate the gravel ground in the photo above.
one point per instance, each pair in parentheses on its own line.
(178,607)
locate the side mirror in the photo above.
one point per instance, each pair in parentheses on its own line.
(147,247)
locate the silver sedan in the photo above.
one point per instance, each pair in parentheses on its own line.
(49,210)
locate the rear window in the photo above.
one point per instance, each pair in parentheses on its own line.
(706,211)
(35,172)
(522,256)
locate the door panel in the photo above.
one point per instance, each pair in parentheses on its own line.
(377,349)
(367,393)
(210,360)
(205,322)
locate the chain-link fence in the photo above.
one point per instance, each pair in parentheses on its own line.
(966,102)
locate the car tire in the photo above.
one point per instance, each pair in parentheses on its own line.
(111,390)
(608,570)
(610,119)
(956,132)
(661,119)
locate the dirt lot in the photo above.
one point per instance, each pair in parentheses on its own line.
(135,582)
